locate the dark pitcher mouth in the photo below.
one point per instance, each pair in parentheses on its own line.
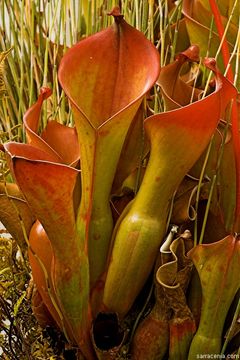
(107,332)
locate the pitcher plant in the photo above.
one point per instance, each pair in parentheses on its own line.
(91,202)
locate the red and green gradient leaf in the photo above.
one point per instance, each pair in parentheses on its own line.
(177,140)
(51,140)
(48,188)
(176,92)
(103,66)
(218,266)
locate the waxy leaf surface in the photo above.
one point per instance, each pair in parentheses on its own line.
(58,140)
(227,186)
(176,91)
(48,188)
(177,140)
(133,150)
(63,139)
(112,71)
(40,257)
(218,266)
(103,66)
